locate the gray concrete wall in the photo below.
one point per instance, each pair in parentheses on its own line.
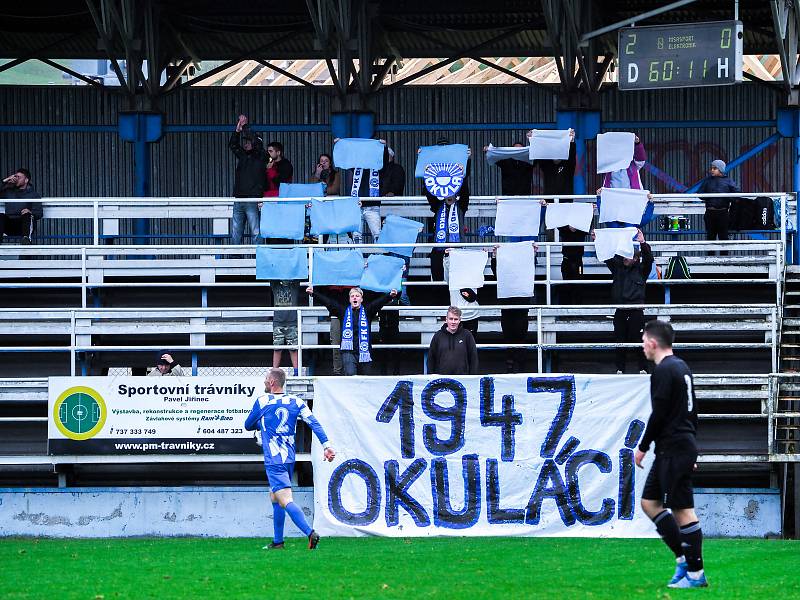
(247,512)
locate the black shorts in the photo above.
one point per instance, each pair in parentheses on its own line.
(670,481)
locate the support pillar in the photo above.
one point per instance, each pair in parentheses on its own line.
(789,126)
(142,129)
(586,124)
(353,124)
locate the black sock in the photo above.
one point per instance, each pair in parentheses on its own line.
(692,538)
(668,529)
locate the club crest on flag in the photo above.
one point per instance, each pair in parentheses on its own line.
(443,180)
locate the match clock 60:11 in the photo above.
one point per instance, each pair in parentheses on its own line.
(681,55)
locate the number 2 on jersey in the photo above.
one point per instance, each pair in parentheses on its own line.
(283,414)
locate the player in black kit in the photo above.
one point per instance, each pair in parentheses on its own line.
(672,425)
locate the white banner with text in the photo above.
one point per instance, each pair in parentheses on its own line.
(548,455)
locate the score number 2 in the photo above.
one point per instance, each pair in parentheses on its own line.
(631,43)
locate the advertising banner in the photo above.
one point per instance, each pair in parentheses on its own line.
(151,415)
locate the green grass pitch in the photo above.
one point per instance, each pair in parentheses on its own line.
(386,568)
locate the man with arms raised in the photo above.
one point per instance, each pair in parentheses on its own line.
(673,426)
(274,416)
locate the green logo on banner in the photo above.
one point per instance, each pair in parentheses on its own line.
(79,413)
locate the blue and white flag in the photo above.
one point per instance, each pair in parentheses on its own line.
(444,180)
(383,273)
(358,153)
(285,220)
(342,215)
(301,190)
(337,267)
(399,230)
(281,263)
(451,153)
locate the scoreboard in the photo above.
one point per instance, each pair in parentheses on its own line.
(682,55)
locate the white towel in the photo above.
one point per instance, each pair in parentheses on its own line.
(626,206)
(516,270)
(614,151)
(575,214)
(466,269)
(517,217)
(549,144)
(498,153)
(609,242)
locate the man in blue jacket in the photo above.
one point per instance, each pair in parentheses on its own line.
(274,415)
(716,217)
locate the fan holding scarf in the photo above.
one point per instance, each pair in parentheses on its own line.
(449,213)
(356,318)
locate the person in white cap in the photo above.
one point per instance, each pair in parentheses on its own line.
(716,217)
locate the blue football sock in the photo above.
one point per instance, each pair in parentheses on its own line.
(278,519)
(299,519)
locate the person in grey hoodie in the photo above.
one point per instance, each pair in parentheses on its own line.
(21,213)
(453,350)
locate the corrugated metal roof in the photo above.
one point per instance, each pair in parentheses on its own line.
(222,31)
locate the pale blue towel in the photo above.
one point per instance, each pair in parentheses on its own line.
(337,267)
(342,215)
(452,153)
(383,273)
(301,190)
(399,230)
(358,153)
(281,263)
(286,220)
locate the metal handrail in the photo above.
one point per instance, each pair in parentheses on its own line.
(87,253)
(540,346)
(96,203)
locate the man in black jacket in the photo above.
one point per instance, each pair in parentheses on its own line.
(356,319)
(250,180)
(716,217)
(452,350)
(515,175)
(627,287)
(21,213)
(279,169)
(392,176)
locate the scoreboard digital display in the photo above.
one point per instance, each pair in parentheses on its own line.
(684,55)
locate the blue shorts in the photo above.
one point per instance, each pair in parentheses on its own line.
(279,476)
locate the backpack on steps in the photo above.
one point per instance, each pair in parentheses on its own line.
(677,268)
